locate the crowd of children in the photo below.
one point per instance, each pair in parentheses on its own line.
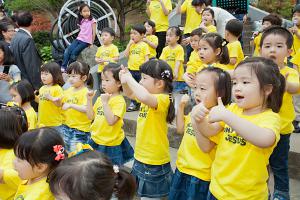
(236,115)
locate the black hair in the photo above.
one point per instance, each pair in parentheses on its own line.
(176,30)
(197,31)
(273,18)
(8,56)
(20,115)
(277,30)
(160,70)
(267,72)
(216,41)
(235,27)
(10,128)
(140,28)
(296,9)
(114,69)
(37,146)
(4,25)
(83,69)
(109,30)
(25,90)
(152,24)
(198,2)
(91,175)
(80,17)
(211,11)
(222,83)
(24,19)
(54,69)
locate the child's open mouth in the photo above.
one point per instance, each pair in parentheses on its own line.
(239,97)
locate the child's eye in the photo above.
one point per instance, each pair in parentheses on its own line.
(202,88)
(246,82)
(233,83)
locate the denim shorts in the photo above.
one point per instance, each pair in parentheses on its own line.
(73,136)
(187,187)
(154,181)
(119,154)
(210,196)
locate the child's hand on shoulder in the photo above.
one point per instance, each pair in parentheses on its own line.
(105,98)
(90,95)
(217,113)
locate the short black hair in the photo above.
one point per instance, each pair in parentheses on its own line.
(25,90)
(114,68)
(197,31)
(54,69)
(235,27)
(296,8)
(273,18)
(24,19)
(8,56)
(277,30)
(198,2)
(140,28)
(37,146)
(109,30)
(152,24)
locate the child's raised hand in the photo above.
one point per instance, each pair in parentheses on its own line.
(105,98)
(90,94)
(199,112)
(216,114)
(66,106)
(123,74)
(184,100)
(190,79)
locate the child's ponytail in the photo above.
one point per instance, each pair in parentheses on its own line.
(124,185)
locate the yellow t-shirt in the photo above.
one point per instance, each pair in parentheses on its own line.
(235,51)
(191,159)
(137,53)
(193,18)
(72,117)
(194,64)
(107,53)
(256,43)
(296,44)
(211,29)
(287,112)
(219,65)
(152,144)
(239,170)
(37,191)
(11,179)
(154,40)
(49,114)
(171,55)
(102,133)
(157,15)
(31,118)
(296,60)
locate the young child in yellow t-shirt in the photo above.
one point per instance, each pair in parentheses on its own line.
(138,53)
(107,52)
(246,132)
(233,30)
(13,124)
(107,135)
(38,152)
(173,54)
(192,176)
(295,30)
(276,44)
(50,94)
(76,125)
(157,109)
(208,21)
(151,39)
(22,93)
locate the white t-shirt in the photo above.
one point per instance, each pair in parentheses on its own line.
(222,17)
(15,74)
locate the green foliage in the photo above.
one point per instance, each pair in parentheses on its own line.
(283,8)
(46,53)
(120,44)
(33,4)
(41,39)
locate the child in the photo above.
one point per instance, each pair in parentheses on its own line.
(151,166)
(245,132)
(137,52)
(233,30)
(173,54)
(22,93)
(295,30)
(104,179)
(192,176)
(38,152)
(9,73)
(10,130)
(76,125)
(49,96)
(208,21)
(107,135)
(269,20)
(151,39)
(276,44)
(85,38)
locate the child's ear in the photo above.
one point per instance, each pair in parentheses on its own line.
(119,83)
(160,83)
(268,89)
(84,78)
(289,52)
(218,51)
(40,167)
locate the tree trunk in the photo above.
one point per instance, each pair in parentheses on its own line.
(121,23)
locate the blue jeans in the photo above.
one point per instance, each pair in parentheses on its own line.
(72,52)
(210,196)
(279,166)
(137,76)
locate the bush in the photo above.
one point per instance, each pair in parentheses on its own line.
(41,39)
(46,53)
(121,45)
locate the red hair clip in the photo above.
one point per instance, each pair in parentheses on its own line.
(59,150)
